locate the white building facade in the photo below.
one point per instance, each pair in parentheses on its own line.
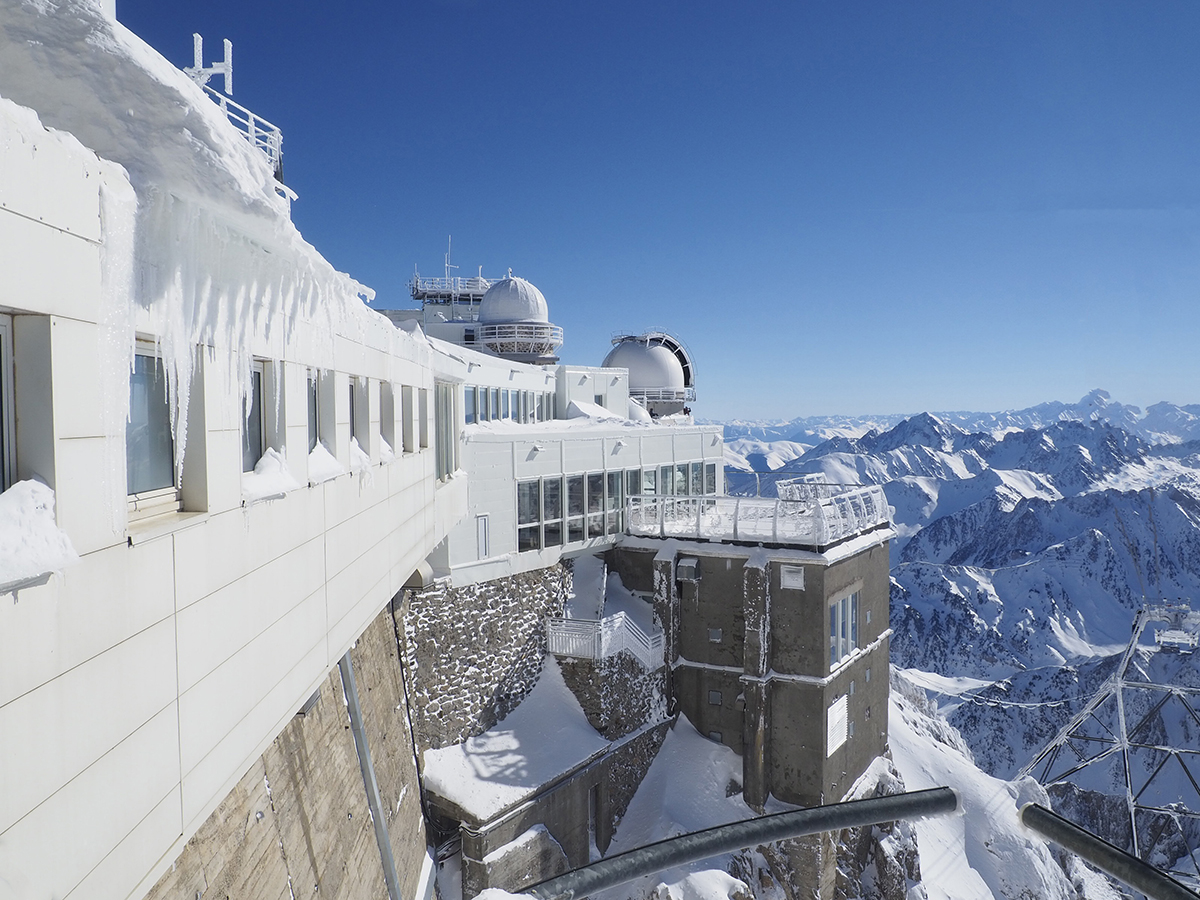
(249,470)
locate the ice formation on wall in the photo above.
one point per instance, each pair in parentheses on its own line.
(202,253)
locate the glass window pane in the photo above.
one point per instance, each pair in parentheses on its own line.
(633,482)
(496,403)
(667,479)
(574,530)
(681,479)
(575,495)
(649,478)
(149,450)
(528,505)
(614,490)
(469,405)
(596,525)
(854,620)
(595,487)
(552,499)
(312,411)
(710,478)
(529,538)
(504,405)
(833,635)
(697,484)
(252,432)
(554,533)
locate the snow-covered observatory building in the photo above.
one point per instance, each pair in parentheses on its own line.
(662,376)
(508,317)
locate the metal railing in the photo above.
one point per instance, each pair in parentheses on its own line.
(688,394)
(592,639)
(449,287)
(814,522)
(257,130)
(520,337)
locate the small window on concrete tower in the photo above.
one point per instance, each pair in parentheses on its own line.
(714,698)
(715,635)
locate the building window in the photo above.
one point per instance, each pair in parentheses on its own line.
(697,482)
(715,635)
(649,478)
(681,479)
(149,447)
(423,417)
(552,512)
(505,409)
(714,698)
(314,422)
(8,449)
(253,445)
(354,423)
(867,677)
(446,429)
(575,506)
(529,505)
(407,419)
(612,503)
(387,417)
(633,483)
(469,394)
(595,504)
(710,478)
(843,628)
(666,479)
(868,613)
(496,412)
(715,736)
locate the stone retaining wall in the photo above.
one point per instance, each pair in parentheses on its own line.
(473,653)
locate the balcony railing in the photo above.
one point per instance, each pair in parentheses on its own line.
(684,394)
(591,639)
(816,521)
(521,337)
(257,130)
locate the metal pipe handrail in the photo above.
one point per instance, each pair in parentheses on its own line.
(1140,876)
(689,848)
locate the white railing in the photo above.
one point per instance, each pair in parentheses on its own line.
(590,639)
(812,522)
(664,395)
(450,286)
(520,337)
(257,130)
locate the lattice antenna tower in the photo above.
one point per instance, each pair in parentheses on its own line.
(200,74)
(1101,732)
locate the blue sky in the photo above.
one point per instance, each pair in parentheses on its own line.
(840,207)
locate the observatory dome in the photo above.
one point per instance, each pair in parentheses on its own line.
(513,300)
(652,367)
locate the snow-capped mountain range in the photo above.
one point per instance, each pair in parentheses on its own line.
(1027,541)
(1161,423)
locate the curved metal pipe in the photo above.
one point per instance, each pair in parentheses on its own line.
(1100,853)
(698,845)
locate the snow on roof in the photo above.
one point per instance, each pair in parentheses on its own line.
(544,737)
(203,251)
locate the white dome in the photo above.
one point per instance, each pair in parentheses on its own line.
(513,300)
(652,367)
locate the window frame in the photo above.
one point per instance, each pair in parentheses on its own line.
(844,633)
(8,399)
(158,500)
(258,376)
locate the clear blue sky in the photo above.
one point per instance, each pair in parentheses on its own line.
(840,207)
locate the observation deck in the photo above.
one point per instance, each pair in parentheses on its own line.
(813,516)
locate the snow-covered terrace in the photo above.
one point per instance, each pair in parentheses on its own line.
(818,517)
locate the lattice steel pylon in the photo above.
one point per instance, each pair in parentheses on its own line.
(1100,736)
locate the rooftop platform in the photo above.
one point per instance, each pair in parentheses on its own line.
(813,516)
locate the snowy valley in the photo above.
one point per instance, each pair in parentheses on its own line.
(1027,542)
